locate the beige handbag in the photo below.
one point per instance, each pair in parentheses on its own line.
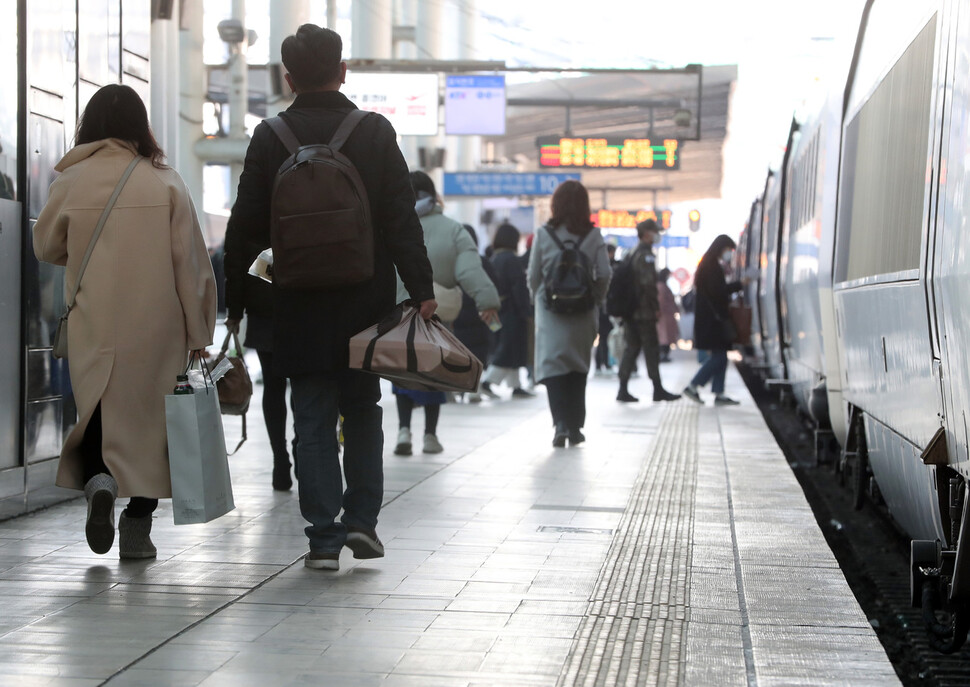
(415,353)
(449,302)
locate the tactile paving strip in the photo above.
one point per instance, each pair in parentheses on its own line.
(635,629)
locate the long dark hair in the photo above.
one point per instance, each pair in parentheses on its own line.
(570,206)
(116,111)
(717,247)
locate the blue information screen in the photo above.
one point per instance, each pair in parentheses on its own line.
(503,184)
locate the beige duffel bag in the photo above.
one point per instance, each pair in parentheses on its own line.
(415,353)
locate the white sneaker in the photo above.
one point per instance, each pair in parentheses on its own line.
(403,447)
(432,445)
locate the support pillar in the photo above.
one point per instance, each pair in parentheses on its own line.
(285,17)
(191,98)
(165,87)
(238,97)
(467,153)
(371,29)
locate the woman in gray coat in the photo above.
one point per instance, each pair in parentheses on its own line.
(564,341)
(455,262)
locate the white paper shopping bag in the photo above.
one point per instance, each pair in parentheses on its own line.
(199,466)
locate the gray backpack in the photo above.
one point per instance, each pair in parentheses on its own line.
(320,222)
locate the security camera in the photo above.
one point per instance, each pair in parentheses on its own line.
(232,31)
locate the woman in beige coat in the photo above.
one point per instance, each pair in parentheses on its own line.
(146,298)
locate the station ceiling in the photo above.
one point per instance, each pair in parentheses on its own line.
(701,162)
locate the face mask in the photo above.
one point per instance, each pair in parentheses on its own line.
(728,256)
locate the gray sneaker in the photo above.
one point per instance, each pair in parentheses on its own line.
(403,447)
(101,492)
(691,393)
(726,401)
(432,445)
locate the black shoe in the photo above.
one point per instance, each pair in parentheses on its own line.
(519,392)
(559,440)
(626,397)
(576,437)
(664,395)
(281,477)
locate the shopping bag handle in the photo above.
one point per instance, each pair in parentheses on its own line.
(197,355)
(235,342)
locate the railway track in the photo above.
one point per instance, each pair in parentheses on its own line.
(873,553)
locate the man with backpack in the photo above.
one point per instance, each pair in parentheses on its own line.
(633,297)
(327,187)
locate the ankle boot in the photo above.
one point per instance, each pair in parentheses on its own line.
(281,475)
(134,537)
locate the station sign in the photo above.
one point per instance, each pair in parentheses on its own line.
(624,219)
(475,105)
(609,152)
(497,184)
(409,101)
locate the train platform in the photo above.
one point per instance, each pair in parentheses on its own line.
(674,547)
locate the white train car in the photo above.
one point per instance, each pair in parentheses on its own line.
(768,295)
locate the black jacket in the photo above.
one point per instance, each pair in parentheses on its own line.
(512,347)
(312,328)
(469,327)
(713,298)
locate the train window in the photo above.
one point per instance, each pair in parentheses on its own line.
(881,208)
(52,45)
(99,34)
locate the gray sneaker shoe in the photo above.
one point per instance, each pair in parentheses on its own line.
(432,445)
(691,393)
(322,561)
(403,447)
(726,401)
(134,537)
(101,492)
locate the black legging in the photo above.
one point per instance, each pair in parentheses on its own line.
(90,448)
(274,408)
(567,400)
(405,407)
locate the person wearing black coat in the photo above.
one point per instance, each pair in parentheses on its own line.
(312,328)
(468,326)
(511,350)
(713,295)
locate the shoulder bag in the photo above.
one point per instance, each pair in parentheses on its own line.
(60,334)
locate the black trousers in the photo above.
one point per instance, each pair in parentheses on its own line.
(90,448)
(405,408)
(567,400)
(640,336)
(274,409)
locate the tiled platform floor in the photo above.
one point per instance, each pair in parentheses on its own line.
(674,547)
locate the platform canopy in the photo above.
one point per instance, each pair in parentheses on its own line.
(700,165)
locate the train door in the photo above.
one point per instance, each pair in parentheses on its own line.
(11,479)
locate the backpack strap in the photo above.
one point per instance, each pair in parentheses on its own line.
(347,127)
(552,235)
(284,133)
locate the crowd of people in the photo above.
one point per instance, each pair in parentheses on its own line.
(151,298)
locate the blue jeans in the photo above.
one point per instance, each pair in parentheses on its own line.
(714,368)
(318,400)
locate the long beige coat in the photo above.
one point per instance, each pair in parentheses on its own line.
(148,296)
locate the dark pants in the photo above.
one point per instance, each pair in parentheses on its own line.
(602,348)
(274,409)
(640,335)
(405,407)
(567,400)
(714,368)
(318,400)
(90,448)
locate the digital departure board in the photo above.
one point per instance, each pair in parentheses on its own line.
(624,219)
(609,153)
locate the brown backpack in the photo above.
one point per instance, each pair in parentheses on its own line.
(320,223)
